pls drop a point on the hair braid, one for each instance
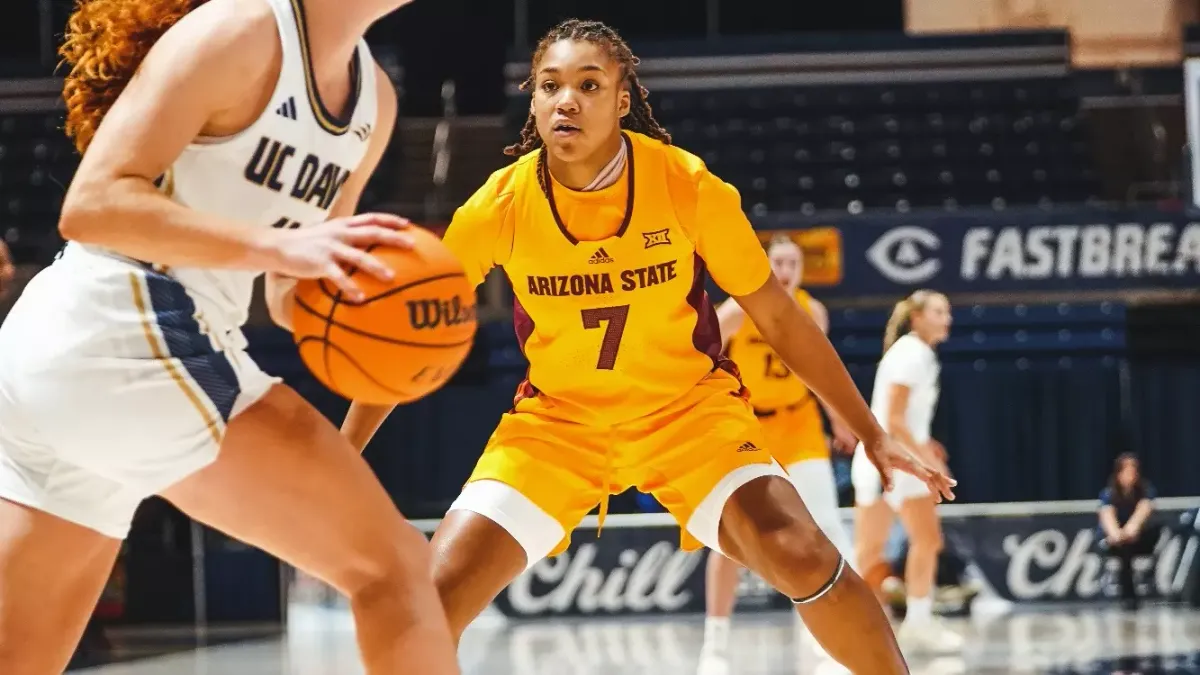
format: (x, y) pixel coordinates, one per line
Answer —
(529, 135)
(640, 118)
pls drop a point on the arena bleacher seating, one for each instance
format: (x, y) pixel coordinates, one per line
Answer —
(1033, 332)
(940, 144)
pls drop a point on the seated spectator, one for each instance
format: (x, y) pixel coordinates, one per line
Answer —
(1125, 506)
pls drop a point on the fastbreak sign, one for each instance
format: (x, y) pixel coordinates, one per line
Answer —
(1038, 252)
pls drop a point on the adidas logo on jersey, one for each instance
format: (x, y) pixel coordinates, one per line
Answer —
(363, 132)
(747, 447)
(600, 257)
(287, 108)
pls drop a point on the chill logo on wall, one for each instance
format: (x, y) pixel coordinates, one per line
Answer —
(628, 571)
(1057, 557)
(1050, 565)
(597, 578)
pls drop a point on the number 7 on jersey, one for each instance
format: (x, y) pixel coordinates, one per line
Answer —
(611, 342)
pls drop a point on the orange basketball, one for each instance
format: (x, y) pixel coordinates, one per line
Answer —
(403, 340)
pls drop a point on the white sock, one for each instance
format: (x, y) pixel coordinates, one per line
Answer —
(919, 609)
(716, 632)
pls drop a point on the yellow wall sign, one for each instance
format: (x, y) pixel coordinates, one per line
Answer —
(822, 247)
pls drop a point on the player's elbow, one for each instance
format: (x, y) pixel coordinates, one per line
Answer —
(89, 209)
(80, 214)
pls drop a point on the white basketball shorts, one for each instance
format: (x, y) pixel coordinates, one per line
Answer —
(113, 387)
(814, 480)
(868, 486)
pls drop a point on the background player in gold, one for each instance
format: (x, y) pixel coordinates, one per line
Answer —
(794, 432)
(606, 236)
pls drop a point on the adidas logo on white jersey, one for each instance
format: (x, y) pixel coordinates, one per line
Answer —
(600, 257)
(287, 108)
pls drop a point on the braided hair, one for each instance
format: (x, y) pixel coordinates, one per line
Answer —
(640, 117)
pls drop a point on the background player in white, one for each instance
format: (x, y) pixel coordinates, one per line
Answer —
(791, 419)
(904, 399)
(122, 366)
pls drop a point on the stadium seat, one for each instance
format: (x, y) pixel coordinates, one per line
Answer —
(1043, 331)
(896, 147)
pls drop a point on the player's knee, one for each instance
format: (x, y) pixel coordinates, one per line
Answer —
(385, 567)
(797, 557)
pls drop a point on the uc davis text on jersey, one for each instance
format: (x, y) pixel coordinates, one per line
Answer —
(315, 178)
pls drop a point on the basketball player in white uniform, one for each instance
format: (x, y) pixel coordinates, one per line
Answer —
(241, 146)
(903, 400)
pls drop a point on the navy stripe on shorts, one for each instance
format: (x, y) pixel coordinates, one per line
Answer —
(175, 313)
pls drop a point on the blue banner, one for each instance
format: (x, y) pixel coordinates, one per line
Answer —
(1056, 557)
(983, 252)
(1042, 557)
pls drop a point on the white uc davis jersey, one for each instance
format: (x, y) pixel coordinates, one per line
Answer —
(148, 364)
(912, 363)
(285, 170)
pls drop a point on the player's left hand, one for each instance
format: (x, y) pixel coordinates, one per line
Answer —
(938, 450)
(888, 456)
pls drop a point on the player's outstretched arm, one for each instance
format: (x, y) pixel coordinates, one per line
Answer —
(729, 246)
(843, 438)
(727, 243)
(804, 348)
(362, 421)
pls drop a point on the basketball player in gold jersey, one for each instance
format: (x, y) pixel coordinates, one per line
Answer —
(608, 233)
(791, 421)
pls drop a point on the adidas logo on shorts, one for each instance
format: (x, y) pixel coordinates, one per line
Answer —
(600, 257)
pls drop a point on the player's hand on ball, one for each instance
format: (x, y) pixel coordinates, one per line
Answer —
(887, 455)
(334, 248)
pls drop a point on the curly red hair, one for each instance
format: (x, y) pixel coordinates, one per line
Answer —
(104, 44)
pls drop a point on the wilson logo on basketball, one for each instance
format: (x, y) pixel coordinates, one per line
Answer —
(426, 314)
